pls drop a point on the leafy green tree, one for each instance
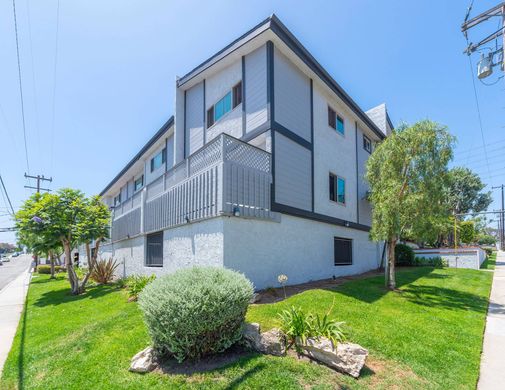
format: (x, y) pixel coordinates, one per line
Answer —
(69, 219)
(467, 232)
(407, 176)
(464, 189)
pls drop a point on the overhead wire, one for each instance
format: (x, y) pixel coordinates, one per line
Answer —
(6, 195)
(54, 86)
(20, 85)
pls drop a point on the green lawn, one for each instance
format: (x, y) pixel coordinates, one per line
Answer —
(427, 336)
(490, 262)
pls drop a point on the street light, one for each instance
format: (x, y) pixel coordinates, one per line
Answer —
(485, 66)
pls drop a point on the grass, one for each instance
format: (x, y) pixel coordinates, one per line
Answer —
(428, 335)
(490, 261)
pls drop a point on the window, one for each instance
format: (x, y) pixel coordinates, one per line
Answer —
(237, 94)
(342, 251)
(332, 118)
(335, 121)
(154, 250)
(337, 189)
(139, 183)
(117, 199)
(367, 144)
(340, 124)
(158, 160)
(229, 101)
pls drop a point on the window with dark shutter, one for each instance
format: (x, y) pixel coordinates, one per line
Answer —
(342, 251)
(337, 188)
(164, 156)
(367, 144)
(332, 118)
(210, 117)
(332, 188)
(154, 250)
(237, 94)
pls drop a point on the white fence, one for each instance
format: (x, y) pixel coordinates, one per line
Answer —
(226, 176)
(467, 257)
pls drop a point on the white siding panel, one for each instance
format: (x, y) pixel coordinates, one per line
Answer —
(170, 152)
(230, 124)
(293, 177)
(194, 118)
(256, 88)
(292, 96)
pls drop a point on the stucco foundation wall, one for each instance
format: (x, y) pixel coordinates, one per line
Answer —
(300, 248)
(199, 243)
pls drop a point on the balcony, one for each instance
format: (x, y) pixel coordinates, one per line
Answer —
(225, 177)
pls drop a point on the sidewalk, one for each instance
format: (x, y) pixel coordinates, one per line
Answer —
(12, 299)
(492, 364)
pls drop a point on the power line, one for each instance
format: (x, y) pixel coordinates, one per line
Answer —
(478, 114)
(7, 195)
(54, 84)
(20, 84)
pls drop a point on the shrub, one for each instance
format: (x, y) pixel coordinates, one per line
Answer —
(135, 284)
(46, 269)
(103, 271)
(486, 239)
(436, 262)
(489, 251)
(196, 311)
(404, 255)
(298, 326)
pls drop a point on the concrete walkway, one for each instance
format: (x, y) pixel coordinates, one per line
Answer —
(492, 364)
(12, 299)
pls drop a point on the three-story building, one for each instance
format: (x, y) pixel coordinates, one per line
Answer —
(260, 170)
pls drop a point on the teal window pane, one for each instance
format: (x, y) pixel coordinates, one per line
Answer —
(340, 125)
(222, 107)
(341, 190)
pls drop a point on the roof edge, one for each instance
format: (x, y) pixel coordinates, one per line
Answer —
(168, 124)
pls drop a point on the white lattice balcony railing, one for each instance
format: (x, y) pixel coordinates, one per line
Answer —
(225, 177)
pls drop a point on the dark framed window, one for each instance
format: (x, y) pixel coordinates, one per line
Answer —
(154, 250)
(337, 188)
(158, 160)
(117, 199)
(332, 118)
(237, 94)
(224, 105)
(139, 183)
(342, 251)
(367, 144)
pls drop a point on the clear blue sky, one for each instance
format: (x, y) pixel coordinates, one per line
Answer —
(117, 62)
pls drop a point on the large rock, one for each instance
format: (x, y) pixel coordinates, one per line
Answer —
(272, 342)
(144, 361)
(347, 357)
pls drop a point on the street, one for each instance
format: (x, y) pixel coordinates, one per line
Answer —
(12, 269)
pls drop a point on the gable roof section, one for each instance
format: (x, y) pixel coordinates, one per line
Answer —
(168, 124)
(275, 25)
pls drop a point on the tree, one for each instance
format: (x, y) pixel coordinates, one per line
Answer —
(66, 218)
(407, 175)
(467, 232)
(464, 191)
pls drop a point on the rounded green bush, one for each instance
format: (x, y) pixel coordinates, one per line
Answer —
(196, 311)
(46, 269)
(404, 255)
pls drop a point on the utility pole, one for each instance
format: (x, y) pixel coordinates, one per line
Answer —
(486, 64)
(502, 217)
(39, 178)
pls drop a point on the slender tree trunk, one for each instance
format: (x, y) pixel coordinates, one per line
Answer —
(390, 275)
(72, 276)
(51, 260)
(91, 261)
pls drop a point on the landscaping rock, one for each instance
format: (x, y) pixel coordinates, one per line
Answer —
(272, 342)
(347, 357)
(144, 361)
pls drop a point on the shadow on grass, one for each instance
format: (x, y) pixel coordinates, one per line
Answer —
(21, 365)
(373, 289)
(63, 296)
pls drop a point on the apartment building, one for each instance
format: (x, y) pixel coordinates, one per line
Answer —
(260, 170)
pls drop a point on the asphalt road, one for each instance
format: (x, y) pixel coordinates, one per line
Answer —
(12, 269)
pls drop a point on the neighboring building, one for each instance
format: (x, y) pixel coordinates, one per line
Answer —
(261, 171)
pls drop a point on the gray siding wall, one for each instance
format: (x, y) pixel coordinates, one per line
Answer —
(293, 176)
(152, 176)
(170, 152)
(365, 209)
(124, 193)
(194, 118)
(216, 87)
(256, 88)
(292, 96)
